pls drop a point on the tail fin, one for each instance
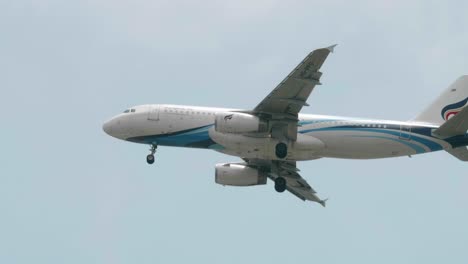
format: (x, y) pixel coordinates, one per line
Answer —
(448, 104)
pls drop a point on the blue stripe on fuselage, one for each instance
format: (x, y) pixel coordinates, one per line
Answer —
(416, 148)
(199, 137)
(194, 137)
(433, 146)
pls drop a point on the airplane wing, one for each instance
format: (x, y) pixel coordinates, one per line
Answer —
(295, 184)
(281, 108)
(291, 94)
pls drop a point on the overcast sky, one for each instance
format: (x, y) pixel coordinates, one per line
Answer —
(71, 194)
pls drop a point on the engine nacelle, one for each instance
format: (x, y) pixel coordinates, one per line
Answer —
(237, 123)
(238, 175)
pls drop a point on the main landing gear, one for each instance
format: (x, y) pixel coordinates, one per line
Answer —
(280, 184)
(281, 150)
(150, 157)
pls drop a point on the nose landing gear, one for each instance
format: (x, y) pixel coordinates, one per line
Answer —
(150, 157)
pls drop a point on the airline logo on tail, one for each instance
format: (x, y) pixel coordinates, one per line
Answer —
(452, 109)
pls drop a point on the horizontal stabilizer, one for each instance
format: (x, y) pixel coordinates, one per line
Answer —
(457, 125)
(460, 153)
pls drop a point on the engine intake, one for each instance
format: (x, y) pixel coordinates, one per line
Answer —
(239, 123)
(238, 175)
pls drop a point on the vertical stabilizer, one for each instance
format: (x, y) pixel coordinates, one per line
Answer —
(448, 104)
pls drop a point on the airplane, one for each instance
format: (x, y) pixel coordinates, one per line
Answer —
(273, 136)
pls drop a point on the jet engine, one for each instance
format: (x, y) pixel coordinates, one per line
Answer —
(238, 123)
(235, 174)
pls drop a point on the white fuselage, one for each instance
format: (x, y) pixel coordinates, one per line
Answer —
(318, 136)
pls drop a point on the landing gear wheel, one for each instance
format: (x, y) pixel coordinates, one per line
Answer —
(150, 159)
(280, 184)
(281, 150)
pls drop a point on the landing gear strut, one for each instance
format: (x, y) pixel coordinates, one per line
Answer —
(280, 184)
(150, 157)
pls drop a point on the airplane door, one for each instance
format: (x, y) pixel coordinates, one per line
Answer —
(405, 132)
(153, 113)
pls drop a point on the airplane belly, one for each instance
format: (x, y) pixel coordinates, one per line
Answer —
(304, 148)
(366, 145)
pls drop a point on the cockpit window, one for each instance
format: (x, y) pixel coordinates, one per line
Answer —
(132, 110)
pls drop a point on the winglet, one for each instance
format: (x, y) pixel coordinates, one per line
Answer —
(323, 202)
(331, 48)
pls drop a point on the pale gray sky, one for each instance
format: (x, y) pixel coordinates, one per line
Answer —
(71, 194)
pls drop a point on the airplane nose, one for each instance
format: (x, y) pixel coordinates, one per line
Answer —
(107, 127)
